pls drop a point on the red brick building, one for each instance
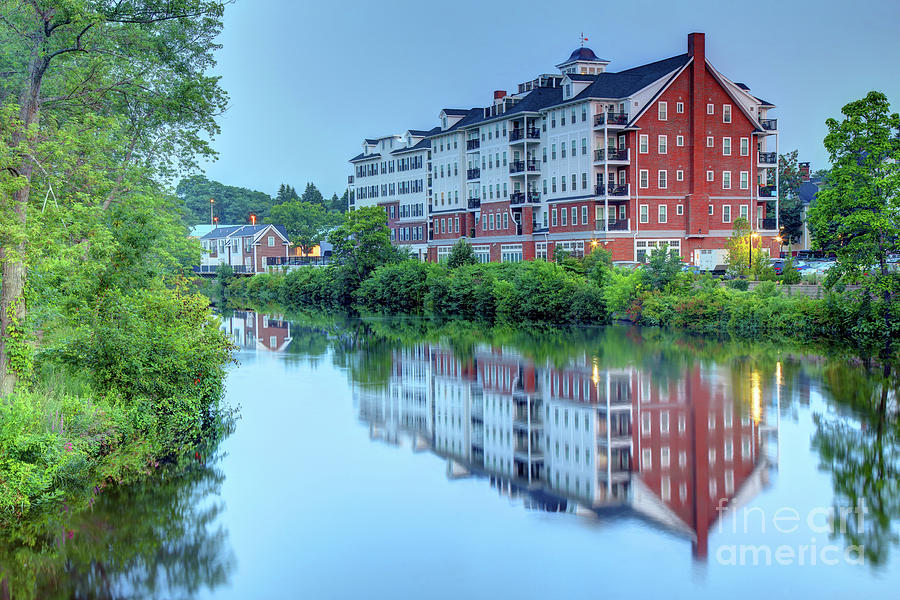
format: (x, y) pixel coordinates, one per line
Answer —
(667, 154)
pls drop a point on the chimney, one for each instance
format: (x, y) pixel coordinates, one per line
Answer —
(804, 171)
(499, 94)
(697, 46)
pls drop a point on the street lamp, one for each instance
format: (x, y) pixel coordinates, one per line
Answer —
(212, 201)
(750, 257)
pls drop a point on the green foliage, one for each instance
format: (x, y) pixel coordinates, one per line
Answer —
(789, 273)
(233, 205)
(739, 284)
(662, 268)
(362, 243)
(307, 223)
(461, 254)
(790, 217)
(396, 289)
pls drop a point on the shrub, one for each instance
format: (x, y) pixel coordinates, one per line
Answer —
(396, 289)
(461, 254)
(789, 274)
(738, 284)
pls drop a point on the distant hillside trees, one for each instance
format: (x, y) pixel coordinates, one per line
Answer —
(234, 205)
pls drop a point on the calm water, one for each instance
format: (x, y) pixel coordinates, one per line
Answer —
(390, 460)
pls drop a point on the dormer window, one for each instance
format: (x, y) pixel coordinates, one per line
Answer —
(568, 90)
(444, 123)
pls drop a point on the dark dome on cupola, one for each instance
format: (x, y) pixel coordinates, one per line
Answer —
(583, 54)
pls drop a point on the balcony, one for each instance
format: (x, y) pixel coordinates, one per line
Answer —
(611, 155)
(611, 119)
(474, 202)
(534, 197)
(521, 135)
(523, 166)
(769, 124)
(612, 225)
(767, 191)
(612, 189)
(766, 224)
(473, 173)
(768, 158)
(473, 144)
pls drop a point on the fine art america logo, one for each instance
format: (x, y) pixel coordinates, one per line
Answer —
(822, 525)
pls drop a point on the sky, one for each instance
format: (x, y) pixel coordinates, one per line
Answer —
(309, 80)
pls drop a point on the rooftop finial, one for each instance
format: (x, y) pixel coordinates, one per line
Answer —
(583, 39)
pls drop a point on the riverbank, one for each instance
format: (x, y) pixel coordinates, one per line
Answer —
(585, 291)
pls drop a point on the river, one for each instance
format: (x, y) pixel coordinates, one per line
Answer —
(399, 459)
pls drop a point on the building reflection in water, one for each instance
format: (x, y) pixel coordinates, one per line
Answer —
(581, 438)
(253, 331)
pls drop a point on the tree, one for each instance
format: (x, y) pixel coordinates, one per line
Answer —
(286, 193)
(744, 255)
(307, 224)
(233, 205)
(461, 254)
(134, 68)
(790, 215)
(662, 268)
(312, 195)
(362, 243)
(856, 214)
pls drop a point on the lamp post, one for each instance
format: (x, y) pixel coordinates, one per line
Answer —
(212, 201)
(750, 257)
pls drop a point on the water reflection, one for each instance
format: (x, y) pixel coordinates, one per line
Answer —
(678, 450)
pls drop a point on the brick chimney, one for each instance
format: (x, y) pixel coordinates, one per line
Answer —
(697, 218)
(804, 171)
(499, 94)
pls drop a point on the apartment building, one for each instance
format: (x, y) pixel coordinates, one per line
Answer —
(663, 155)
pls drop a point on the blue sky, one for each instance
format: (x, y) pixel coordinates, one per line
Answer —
(308, 80)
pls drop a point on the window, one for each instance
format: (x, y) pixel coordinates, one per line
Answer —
(562, 180)
(644, 144)
(744, 211)
(584, 181)
(574, 215)
(745, 147)
(646, 462)
(645, 214)
(726, 214)
(562, 149)
(505, 220)
(584, 215)
(664, 426)
(726, 180)
(564, 215)
(726, 146)
(711, 209)
(710, 141)
(663, 213)
(679, 209)
(726, 113)
(553, 217)
(679, 140)
(710, 109)
(271, 241)
(745, 180)
(644, 178)
(710, 176)
(664, 458)
(574, 182)
(553, 151)
(663, 111)
(679, 175)
(553, 184)
(583, 146)
(663, 144)
(662, 179)
(679, 107)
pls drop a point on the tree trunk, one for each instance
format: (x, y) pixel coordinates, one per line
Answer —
(12, 259)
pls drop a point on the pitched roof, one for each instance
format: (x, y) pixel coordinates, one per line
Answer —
(625, 83)
(421, 145)
(456, 112)
(242, 231)
(364, 156)
(418, 132)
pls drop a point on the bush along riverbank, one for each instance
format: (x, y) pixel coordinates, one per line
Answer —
(585, 290)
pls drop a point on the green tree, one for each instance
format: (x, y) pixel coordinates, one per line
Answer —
(307, 224)
(312, 195)
(662, 268)
(286, 193)
(856, 215)
(790, 207)
(133, 71)
(233, 205)
(461, 254)
(362, 243)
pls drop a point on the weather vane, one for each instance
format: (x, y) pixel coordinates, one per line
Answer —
(583, 39)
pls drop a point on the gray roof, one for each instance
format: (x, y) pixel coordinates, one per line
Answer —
(421, 145)
(364, 156)
(807, 192)
(625, 83)
(241, 231)
(455, 112)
